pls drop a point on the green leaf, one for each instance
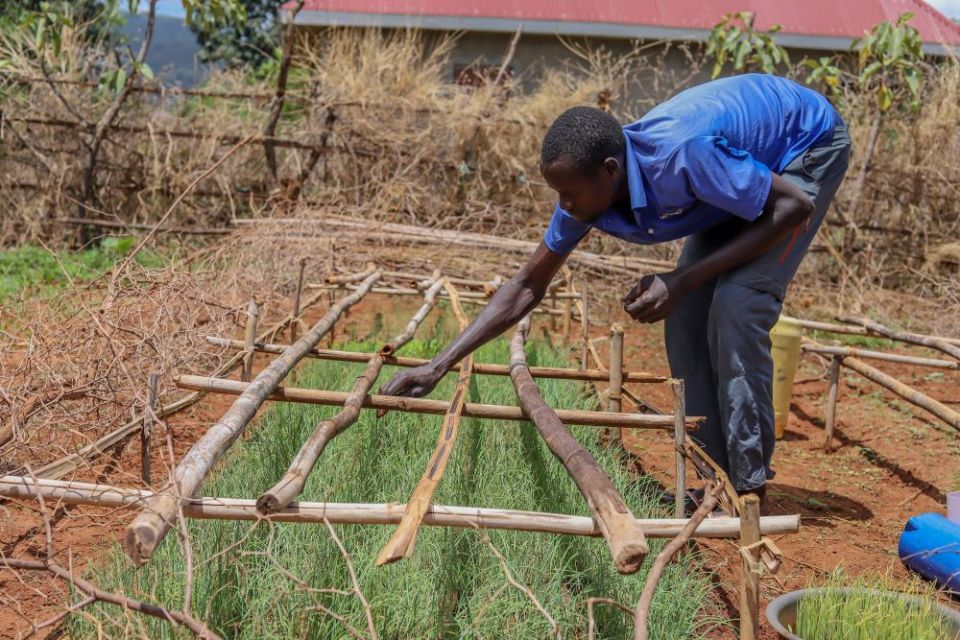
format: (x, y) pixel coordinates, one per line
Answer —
(870, 71)
(884, 97)
(119, 80)
(146, 71)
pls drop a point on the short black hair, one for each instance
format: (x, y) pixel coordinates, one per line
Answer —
(583, 137)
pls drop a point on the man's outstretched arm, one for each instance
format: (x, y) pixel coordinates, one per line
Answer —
(509, 305)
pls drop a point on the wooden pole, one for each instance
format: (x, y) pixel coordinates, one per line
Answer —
(910, 338)
(830, 350)
(680, 445)
(291, 484)
(615, 388)
(468, 297)
(159, 514)
(295, 323)
(584, 327)
(434, 407)
(146, 431)
(829, 327)
(831, 411)
(404, 538)
(83, 493)
(624, 537)
(249, 338)
(560, 373)
(750, 568)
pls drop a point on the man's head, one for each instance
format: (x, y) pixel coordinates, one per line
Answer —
(582, 159)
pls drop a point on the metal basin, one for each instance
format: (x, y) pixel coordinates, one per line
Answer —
(782, 612)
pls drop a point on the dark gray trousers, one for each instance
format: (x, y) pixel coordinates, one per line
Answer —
(718, 339)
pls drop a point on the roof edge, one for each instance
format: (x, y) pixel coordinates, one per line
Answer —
(562, 28)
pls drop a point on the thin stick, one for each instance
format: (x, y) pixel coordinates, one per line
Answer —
(750, 568)
(146, 431)
(434, 407)
(584, 326)
(615, 388)
(236, 509)
(816, 325)
(624, 537)
(831, 411)
(149, 528)
(291, 484)
(404, 539)
(831, 350)
(679, 443)
(250, 336)
(561, 373)
(910, 338)
(295, 324)
(663, 559)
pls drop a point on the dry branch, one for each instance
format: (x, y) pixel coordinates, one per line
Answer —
(858, 330)
(292, 483)
(206, 508)
(404, 539)
(144, 533)
(911, 338)
(832, 350)
(435, 407)
(624, 537)
(711, 494)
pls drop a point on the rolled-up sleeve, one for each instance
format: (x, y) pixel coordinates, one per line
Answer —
(723, 176)
(564, 232)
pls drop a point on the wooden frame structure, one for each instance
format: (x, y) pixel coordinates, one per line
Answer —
(611, 516)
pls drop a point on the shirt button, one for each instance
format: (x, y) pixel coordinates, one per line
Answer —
(650, 231)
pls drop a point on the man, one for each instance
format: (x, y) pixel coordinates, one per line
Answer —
(744, 168)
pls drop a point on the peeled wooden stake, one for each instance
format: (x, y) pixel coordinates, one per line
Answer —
(620, 529)
(160, 512)
(402, 541)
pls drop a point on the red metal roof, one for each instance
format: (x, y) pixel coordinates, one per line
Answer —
(831, 19)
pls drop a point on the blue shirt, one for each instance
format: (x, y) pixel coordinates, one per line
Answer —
(703, 156)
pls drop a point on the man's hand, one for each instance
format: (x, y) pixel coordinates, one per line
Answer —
(413, 383)
(654, 297)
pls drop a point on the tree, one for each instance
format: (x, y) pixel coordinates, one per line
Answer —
(735, 40)
(249, 43)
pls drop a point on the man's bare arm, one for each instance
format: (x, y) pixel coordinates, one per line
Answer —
(520, 295)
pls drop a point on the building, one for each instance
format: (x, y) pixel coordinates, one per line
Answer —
(810, 28)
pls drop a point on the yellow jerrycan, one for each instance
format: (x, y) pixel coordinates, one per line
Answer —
(785, 340)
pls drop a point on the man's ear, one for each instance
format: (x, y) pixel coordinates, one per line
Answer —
(612, 167)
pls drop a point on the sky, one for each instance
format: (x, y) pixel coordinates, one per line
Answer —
(950, 8)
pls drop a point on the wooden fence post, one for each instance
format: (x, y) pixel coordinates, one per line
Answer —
(249, 340)
(680, 445)
(831, 417)
(750, 567)
(614, 391)
(295, 322)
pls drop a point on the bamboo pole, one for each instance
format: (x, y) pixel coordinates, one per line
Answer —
(679, 443)
(831, 412)
(404, 538)
(84, 493)
(433, 407)
(750, 568)
(295, 323)
(624, 537)
(146, 432)
(856, 330)
(291, 484)
(561, 373)
(158, 516)
(831, 350)
(615, 388)
(249, 338)
(584, 327)
(911, 338)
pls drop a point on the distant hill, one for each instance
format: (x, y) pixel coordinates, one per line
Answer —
(173, 51)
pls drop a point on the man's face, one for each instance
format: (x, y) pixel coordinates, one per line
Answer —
(584, 194)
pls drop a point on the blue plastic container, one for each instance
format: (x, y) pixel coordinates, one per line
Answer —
(930, 545)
